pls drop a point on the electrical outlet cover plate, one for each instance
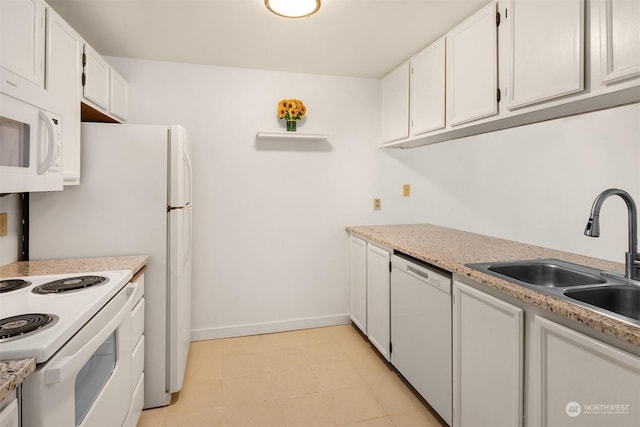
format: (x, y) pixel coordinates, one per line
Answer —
(3, 224)
(377, 204)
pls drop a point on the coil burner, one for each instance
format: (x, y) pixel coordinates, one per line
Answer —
(23, 324)
(8, 285)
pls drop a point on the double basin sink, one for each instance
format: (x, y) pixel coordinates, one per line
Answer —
(603, 292)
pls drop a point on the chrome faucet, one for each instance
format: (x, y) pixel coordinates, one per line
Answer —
(632, 258)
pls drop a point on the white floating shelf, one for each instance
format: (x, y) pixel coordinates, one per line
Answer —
(301, 136)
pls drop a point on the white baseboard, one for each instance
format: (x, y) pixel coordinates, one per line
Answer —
(269, 327)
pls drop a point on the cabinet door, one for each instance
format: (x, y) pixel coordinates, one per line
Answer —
(580, 381)
(472, 68)
(428, 89)
(358, 282)
(96, 78)
(378, 302)
(395, 104)
(488, 360)
(547, 50)
(22, 38)
(620, 43)
(64, 71)
(119, 99)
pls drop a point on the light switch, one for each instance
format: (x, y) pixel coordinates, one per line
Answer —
(406, 190)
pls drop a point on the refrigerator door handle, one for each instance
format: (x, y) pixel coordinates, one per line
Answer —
(173, 208)
(189, 232)
(189, 174)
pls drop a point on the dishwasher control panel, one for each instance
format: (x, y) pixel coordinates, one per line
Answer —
(422, 271)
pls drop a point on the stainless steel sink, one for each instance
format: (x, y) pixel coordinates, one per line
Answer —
(624, 300)
(546, 273)
(602, 292)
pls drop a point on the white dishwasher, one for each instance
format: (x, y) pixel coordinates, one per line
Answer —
(421, 330)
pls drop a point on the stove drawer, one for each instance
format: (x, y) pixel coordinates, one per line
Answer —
(137, 321)
(136, 404)
(137, 360)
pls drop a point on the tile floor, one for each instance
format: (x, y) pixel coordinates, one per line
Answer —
(315, 377)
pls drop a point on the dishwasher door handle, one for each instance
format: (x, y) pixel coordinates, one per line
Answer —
(418, 271)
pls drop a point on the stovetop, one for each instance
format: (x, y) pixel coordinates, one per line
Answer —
(70, 310)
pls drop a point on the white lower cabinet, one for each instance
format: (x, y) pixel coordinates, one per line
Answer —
(580, 381)
(488, 358)
(358, 282)
(9, 409)
(369, 305)
(378, 302)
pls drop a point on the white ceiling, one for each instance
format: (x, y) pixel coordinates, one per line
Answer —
(362, 38)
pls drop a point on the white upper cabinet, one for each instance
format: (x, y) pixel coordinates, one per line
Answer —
(428, 89)
(472, 68)
(395, 104)
(22, 50)
(547, 50)
(620, 39)
(119, 96)
(96, 78)
(22, 33)
(64, 69)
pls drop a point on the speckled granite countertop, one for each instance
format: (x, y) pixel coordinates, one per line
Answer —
(73, 265)
(13, 372)
(451, 249)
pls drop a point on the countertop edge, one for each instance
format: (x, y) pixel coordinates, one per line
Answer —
(13, 373)
(73, 265)
(384, 235)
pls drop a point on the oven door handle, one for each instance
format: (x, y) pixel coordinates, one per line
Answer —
(73, 363)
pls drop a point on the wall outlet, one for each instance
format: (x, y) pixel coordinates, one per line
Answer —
(406, 190)
(3, 224)
(377, 204)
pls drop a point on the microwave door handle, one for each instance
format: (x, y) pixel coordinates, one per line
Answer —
(48, 161)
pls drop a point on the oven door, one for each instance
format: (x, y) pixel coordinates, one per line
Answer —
(88, 381)
(29, 148)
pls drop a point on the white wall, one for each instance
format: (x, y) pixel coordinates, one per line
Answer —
(10, 204)
(270, 248)
(269, 218)
(533, 184)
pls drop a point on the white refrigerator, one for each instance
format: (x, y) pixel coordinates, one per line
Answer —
(134, 198)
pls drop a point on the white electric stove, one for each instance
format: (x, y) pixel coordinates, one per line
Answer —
(80, 340)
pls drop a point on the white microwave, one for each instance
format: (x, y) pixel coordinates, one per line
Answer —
(29, 148)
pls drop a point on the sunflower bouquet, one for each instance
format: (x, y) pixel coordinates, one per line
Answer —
(291, 110)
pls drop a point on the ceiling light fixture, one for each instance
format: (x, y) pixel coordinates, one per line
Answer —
(293, 8)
